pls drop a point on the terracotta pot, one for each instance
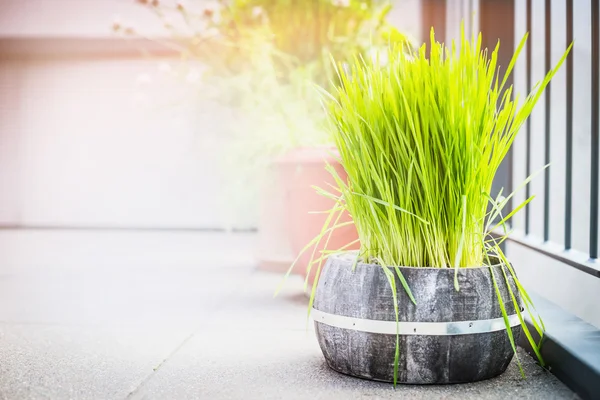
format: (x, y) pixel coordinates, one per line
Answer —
(302, 169)
(274, 249)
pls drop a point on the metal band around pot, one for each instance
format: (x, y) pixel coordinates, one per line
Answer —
(415, 328)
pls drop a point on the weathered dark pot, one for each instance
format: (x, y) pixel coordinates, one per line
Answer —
(447, 337)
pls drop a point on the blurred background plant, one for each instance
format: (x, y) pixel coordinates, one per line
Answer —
(263, 59)
(282, 37)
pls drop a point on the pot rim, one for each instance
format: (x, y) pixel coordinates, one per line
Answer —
(349, 252)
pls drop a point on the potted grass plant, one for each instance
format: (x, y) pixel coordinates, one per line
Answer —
(430, 297)
(264, 58)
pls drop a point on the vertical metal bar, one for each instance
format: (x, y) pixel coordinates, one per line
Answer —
(547, 66)
(433, 14)
(595, 126)
(496, 20)
(528, 123)
(509, 171)
(469, 19)
(510, 154)
(569, 118)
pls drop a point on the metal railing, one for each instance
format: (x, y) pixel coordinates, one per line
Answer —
(496, 21)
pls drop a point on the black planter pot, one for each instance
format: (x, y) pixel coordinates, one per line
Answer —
(447, 337)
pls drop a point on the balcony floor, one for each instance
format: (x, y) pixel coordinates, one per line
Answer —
(155, 315)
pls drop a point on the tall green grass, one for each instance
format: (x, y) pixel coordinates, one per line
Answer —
(421, 139)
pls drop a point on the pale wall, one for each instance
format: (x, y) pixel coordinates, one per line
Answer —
(88, 146)
(101, 138)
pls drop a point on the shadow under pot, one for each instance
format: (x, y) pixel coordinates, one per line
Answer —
(449, 336)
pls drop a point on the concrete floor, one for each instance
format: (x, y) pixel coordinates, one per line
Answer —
(148, 315)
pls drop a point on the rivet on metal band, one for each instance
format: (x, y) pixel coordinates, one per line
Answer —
(415, 328)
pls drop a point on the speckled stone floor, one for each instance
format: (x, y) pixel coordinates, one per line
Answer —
(150, 315)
